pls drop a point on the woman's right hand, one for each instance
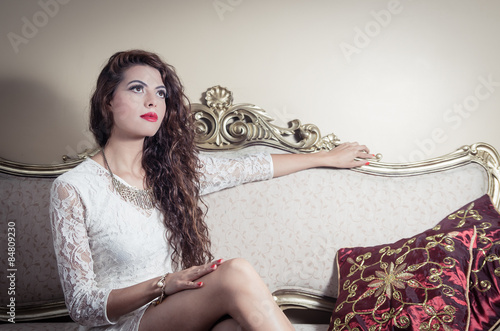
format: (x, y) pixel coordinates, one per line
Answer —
(187, 279)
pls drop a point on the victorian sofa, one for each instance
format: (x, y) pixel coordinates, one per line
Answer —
(289, 228)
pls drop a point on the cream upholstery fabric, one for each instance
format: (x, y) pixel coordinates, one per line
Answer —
(26, 202)
(290, 228)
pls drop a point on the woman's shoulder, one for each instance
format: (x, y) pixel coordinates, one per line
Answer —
(86, 172)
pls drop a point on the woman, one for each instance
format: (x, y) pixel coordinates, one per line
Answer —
(130, 239)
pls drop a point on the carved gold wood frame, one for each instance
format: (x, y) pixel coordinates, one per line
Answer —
(220, 125)
(302, 299)
(38, 312)
(43, 170)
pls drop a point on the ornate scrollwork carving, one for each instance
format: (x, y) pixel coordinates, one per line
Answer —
(487, 156)
(222, 125)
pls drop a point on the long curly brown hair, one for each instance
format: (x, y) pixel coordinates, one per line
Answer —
(170, 157)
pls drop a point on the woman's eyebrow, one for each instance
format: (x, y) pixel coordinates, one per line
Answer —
(137, 81)
(141, 82)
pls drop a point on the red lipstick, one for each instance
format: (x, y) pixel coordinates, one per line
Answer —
(151, 116)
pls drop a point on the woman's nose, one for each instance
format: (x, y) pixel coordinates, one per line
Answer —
(151, 100)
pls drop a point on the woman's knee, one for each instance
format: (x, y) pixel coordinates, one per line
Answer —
(237, 267)
(236, 273)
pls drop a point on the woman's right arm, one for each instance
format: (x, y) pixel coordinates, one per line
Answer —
(86, 302)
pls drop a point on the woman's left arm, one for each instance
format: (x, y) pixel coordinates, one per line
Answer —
(219, 172)
(346, 155)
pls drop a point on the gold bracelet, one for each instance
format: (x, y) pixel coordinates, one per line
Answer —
(161, 284)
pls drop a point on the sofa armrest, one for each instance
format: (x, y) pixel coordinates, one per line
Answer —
(299, 298)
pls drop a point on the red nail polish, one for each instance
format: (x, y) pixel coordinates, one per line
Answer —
(214, 266)
(199, 284)
(367, 163)
(219, 261)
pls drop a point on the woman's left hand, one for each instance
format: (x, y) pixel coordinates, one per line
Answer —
(346, 155)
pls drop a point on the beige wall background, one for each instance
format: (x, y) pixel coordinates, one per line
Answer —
(411, 79)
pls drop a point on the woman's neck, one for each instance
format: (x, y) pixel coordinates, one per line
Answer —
(125, 161)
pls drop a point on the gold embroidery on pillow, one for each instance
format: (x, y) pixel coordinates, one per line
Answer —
(390, 280)
(394, 277)
(464, 214)
(485, 244)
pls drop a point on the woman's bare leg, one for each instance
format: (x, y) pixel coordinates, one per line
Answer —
(234, 289)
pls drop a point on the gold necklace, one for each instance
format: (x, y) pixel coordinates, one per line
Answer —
(141, 198)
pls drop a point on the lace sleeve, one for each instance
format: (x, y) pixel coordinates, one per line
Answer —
(221, 172)
(86, 302)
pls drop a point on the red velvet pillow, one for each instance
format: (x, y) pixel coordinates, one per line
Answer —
(482, 292)
(414, 284)
(484, 287)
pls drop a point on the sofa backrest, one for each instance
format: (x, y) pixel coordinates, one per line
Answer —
(290, 228)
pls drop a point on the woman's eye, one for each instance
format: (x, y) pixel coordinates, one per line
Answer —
(137, 88)
(162, 94)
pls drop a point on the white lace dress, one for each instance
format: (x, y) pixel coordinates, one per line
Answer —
(103, 242)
